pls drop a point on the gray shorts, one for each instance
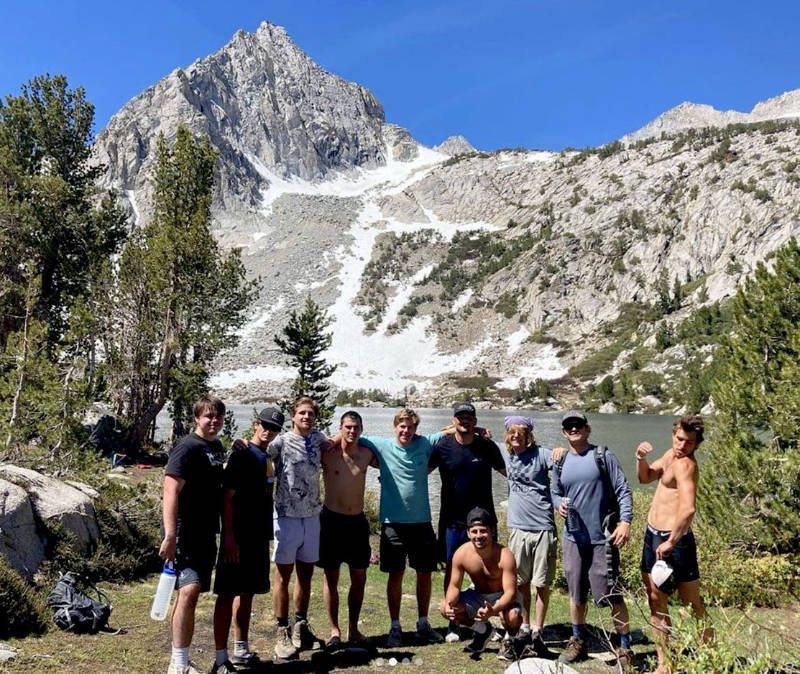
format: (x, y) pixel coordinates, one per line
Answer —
(595, 566)
(535, 554)
(473, 600)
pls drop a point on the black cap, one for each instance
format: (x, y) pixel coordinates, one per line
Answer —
(464, 408)
(481, 516)
(574, 414)
(273, 417)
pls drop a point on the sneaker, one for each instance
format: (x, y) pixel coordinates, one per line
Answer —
(395, 638)
(537, 649)
(478, 642)
(452, 636)
(303, 638)
(575, 651)
(188, 669)
(427, 635)
(226, 667)
(497, 634)
(248, 659)
(507, 651)
(626, 660)
(284, 648)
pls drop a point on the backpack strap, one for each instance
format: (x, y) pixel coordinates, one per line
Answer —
(611, 495)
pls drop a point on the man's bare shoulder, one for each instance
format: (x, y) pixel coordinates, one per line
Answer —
(684, 467)
(506, 556)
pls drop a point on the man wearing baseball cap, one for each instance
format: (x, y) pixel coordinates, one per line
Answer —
(493, 572)
(591, 492)
(243, 562)
(465, 460)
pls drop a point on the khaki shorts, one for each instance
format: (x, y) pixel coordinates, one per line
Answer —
(535, 554)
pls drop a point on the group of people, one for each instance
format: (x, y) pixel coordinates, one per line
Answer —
(583, 482)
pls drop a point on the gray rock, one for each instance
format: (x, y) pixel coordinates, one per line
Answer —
(56, 502)
(19, 539)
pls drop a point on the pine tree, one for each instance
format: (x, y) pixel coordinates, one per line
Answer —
(753, 469)
(177, 299)
(303, 342)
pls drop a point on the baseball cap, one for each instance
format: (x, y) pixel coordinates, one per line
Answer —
(481, 516)
(574, 414)
(463, 408)
(273, 417)
(662, 576)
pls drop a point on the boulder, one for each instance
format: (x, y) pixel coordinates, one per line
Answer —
(20, 541)
(55, 502)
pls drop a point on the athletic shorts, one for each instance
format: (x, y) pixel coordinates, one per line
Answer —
(473, 600)
(194, 561)
(343, 539)
(595, 567)
(682, 559)
(296, 540)
(413, 541)
(250, 575)
(535, 554)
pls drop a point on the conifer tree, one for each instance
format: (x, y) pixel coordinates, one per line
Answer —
(303, 342)
(750, 489)
(177, 298)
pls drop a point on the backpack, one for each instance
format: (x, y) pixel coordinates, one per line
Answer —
(74, 611)
(611, 516)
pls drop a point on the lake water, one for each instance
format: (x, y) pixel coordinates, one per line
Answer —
(620, 432)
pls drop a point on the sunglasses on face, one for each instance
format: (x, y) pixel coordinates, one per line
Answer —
(268, 427)
(574, 426)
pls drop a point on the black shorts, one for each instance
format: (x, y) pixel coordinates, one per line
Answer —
(197, 555)
(343, 539)
(250, 575)
(415, 541)
(682, 559)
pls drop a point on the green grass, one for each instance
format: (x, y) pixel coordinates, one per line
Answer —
(145, 647)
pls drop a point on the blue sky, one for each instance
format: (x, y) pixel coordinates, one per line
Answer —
(504, 73)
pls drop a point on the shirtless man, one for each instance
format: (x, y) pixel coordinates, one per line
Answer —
(493, 573)
(344, 535)
(669, 535)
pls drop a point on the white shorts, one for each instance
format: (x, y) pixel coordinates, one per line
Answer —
(296, 540)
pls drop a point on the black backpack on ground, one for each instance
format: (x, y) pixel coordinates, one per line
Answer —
(74, 611)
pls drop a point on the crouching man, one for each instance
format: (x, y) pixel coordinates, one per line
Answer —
(493, 572)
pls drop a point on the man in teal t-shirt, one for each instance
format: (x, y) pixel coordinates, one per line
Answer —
(405, 514)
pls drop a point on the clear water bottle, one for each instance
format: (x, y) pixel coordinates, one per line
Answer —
(166, 585)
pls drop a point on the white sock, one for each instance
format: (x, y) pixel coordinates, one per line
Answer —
(180, 656)
(240, 647)
(222, 656)
(395, 623)
(525, 627)
(479, 627)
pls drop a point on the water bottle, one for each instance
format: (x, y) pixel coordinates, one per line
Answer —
(166, 585)
(572, 516)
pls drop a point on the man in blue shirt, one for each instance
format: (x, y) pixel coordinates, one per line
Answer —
(405, 515)
(591, 543)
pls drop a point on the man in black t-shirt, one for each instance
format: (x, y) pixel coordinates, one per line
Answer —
(243, 561)
(465, 461)
(191, 520)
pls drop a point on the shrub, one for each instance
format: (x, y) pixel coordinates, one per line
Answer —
(22, 612)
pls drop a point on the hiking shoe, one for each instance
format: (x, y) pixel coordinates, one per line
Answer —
(575, 651)
(497, 634)
(626, 659)
(226, 667)
(507, 651)
(248, 659)
(425, 634)
(452, 636)
(302, 636)
(395, 638)
(284, 648)
(478, 642)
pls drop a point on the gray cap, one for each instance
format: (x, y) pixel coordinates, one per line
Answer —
(273, 417)
(463, 408)
(574, 414)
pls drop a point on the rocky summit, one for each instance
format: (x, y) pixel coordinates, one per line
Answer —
(449, 267)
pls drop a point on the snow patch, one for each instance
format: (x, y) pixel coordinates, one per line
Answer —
(231, 378)
(461, 301)
(515, 340)
(131, 194)
(545, 365)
